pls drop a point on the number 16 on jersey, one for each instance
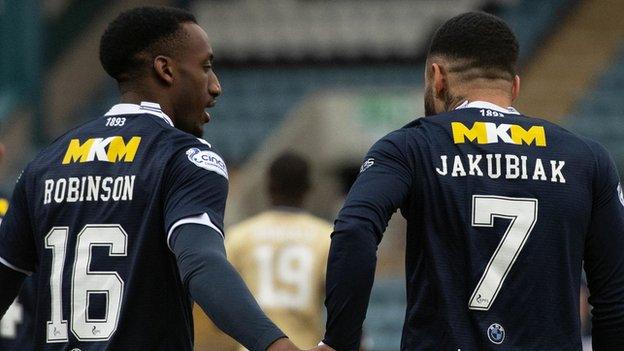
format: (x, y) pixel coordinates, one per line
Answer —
(85, 283)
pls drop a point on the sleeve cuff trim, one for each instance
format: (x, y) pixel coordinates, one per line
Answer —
(203, 219)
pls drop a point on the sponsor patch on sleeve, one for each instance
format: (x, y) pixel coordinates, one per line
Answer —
(367, 164)
(207, 160)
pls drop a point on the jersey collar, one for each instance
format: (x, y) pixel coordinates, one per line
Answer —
(487, 105)
(151, 108)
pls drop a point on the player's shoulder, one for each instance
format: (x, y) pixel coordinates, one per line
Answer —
(589, 145)
(404, 143)
(63, 138)
(185, 147)
(561, 136)
(413, 133)
(43, 157)
(597, 153)
(397, 139)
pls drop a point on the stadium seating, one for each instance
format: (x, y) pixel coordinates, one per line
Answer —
(532, 20)
(19, 64)
(257, 97)
(386, 312)
(255, 100)
(599, 114)
(268, 29)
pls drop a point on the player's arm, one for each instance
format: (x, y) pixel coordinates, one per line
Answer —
(379, 190)
(17, 247)
(604, 257)
(197, 185)
(216, 286)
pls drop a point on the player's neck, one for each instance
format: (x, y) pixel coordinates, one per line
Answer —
(134, 97)
(494, 96)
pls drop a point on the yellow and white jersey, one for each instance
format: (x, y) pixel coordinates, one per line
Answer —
(282, 256)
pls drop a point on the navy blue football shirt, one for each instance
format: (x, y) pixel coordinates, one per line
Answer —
(502, 210)
(91, 214)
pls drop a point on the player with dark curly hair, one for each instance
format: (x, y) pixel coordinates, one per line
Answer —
(122, 217)
(502, 210)
(153, 54)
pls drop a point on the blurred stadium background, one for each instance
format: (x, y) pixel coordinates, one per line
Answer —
(322, 77)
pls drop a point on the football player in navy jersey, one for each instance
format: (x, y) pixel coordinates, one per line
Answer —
(122, 217)
(503, 213)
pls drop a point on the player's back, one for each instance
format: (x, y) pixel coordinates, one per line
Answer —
(497, 224)
(96, 200)
(282, 255)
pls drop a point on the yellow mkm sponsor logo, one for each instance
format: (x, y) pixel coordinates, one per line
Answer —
(488, 132)
(111, 149)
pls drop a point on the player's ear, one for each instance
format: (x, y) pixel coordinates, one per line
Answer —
(439, 80)
(515, 88)
(163, 68)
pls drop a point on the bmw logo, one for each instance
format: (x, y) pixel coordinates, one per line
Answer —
(496, 333)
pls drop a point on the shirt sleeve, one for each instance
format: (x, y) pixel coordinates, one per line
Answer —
(17, 245)
(219, 290)
(604, 256)
(196, 182)
(382, 186)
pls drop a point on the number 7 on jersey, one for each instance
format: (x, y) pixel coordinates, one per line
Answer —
(523, 215)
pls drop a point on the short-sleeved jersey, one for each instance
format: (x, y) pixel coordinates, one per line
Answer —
(282, 254)
(502, 209)
(91, 214)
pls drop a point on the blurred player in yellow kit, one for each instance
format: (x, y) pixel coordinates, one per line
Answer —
(282, 253)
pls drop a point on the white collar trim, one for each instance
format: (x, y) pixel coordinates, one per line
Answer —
(487, 105)
(151, 108)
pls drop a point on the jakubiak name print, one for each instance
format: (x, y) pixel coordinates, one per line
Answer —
(507, 166)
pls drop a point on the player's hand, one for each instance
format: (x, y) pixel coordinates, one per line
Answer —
(283, 344)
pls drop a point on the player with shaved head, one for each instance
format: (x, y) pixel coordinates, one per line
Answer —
(503, 213)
